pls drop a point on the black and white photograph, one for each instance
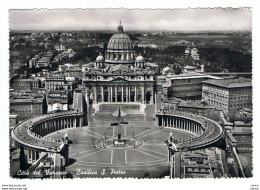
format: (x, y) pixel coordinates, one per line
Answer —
(130, 93)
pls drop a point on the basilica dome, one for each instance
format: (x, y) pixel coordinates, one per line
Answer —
(119, 48)
(120, 41)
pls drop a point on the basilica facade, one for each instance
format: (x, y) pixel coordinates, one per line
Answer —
(119, 75)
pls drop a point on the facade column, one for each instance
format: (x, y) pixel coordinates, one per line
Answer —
(81, 122)
(115, 93)
(163, 125)
(108, 96)
(135, 93)
(126, 94)
(95, 94)
(151, 98)
(143, 94)
(75, 122)
(102, 93)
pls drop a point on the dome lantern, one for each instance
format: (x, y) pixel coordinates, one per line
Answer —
(120, 28)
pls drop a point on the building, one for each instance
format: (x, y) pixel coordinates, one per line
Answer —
(54, 82)
(194, 54)
(228, 94)
(119, 76)
(167, 70)
(26, 108)
(13, 121)
(57, 100)
(15, 65)
(186, 86)
(43, 61)
(60, 47)
(74, 72)
(32, 62)
(189, 69)
(27, 84)
(120, 48)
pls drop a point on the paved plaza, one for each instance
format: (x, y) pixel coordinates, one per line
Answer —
(150, 155)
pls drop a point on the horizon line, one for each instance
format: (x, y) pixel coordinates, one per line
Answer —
(189, 31)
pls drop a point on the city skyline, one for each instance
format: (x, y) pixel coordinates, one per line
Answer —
(190, 20)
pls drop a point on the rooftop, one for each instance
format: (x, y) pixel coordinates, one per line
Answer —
(192, 76)
(231, 83)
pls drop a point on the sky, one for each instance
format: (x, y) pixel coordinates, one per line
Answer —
(218, 19)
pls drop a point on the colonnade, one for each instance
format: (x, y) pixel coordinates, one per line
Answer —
(180, 123)
(45, 127)
(29, 135)
(31, 154)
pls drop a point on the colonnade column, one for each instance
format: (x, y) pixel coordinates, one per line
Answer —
(29, 154)
(122, 99)
(129, 93)
(35, 155)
